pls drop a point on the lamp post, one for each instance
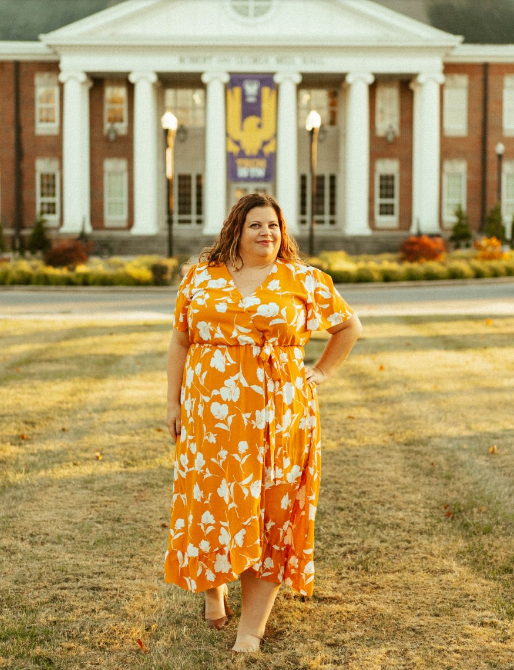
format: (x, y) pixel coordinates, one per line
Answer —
(312, 125)
(500, 150)
(169, 123)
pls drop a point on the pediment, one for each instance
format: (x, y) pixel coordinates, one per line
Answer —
(298, 23)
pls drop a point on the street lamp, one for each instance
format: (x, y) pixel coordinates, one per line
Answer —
(169, 123)
(500, 150)
(312, 125)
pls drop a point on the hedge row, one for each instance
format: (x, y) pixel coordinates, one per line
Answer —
(147, 271)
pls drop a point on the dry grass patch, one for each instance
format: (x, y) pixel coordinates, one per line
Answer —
(414, 555)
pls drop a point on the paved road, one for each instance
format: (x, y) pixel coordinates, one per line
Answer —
(472, 298)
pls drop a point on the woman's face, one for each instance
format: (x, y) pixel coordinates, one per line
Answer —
(261, 236)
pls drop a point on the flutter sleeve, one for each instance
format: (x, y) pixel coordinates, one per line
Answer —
(183, 300)
(325, 306)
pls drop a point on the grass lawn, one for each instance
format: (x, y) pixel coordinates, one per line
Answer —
(415, 551)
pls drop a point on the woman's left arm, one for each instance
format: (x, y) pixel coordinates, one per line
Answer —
(342, 338)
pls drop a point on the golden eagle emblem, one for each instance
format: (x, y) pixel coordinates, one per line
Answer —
(254, 133)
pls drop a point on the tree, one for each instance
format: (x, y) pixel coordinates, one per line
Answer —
(39, 239)
(494, 224)
(461, 232)
(484, 22)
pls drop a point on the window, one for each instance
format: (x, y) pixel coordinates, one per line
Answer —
(47, 103)
(454, 189)
(508, 105)
(508, 194)
(387, 186)
(387, 108)
(324, 101)
(188, 105)
(115, 193)
(48, 189)
(189, 199)
(325, 202)
(455, 105)
(251, 9)
(115, 107)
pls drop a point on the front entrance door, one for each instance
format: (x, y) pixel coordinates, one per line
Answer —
(240, 188)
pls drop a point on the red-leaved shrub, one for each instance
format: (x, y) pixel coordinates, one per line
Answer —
(67, 253)
(422, 248)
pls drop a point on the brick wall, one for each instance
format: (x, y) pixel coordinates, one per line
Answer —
(102, 148)
(7, 143)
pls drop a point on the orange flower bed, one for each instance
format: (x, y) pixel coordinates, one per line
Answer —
(422, 248)
(490, 249)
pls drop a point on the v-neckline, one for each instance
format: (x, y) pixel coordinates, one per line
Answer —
(261, 285)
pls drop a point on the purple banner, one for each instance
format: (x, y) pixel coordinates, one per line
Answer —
(251, 127)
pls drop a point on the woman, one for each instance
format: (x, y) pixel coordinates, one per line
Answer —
(242, 409)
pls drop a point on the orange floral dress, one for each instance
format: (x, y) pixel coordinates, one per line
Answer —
(247, 469)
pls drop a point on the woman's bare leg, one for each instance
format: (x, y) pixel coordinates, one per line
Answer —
(214, 605)
(258, 597)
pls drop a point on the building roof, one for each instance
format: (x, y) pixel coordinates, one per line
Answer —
(484, 22)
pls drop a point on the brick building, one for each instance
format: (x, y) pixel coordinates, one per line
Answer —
(411, 120)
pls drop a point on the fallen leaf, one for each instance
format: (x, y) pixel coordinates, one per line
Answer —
(381, 368)
(481, 509)
(488, 322)
(164, 525)
(18, 369)
(432, 463)
(445, 506)
(24, 437)
(160, 430)
(142, 645)
(64, 429)
(448, 513)
(98, 456)
(493, 449)
(350, 416)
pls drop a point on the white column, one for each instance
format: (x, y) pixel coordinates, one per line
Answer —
(75, 168)
(357, 153)
(426, 153)
(341, 174)
(287, 147)
(146, 174)
(215, 193)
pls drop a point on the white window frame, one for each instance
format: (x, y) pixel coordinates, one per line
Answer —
(317, 99)
(45, 80)
(120, 127)
(452, 167)
(386, 167)
(191, 112)
(387, 108)
(507, 203)
(115, 166)
(326, 220)
(194, 219)
(455, 103)
(508, 105)
(48, 166)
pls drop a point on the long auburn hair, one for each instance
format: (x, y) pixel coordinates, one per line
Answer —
(226, 245)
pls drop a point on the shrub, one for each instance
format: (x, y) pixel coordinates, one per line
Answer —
(460, 270)
(392, 271)
(344, 275)
(39, 239)
(481, 268)
(490, 249)
(414, 271)
(368, 273)
(461, 232)
(67, 253)
(422, 248)
(494, 224)
(435, 270)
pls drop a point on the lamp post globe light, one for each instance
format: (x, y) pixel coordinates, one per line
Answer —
(500, 150)
(169, 123)
(312, 125)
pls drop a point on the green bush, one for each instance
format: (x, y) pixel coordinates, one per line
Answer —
(368, 273)
(498, 268)
(481, 268)
(460, 270)
(344, 276)
(494, 224)
(435, 270)
(461, 232)
(414, 271)
(39, 239)
(392, 271)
